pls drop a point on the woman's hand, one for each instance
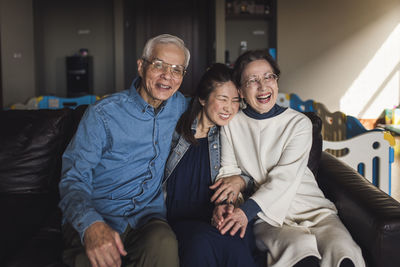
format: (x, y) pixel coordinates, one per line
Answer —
(219, 214)
(233, 222)
(228, 189)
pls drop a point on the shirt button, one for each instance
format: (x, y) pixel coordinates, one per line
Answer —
(152, 164)
(215, 146)
(215, 167)
(143, 110)
(156, 142)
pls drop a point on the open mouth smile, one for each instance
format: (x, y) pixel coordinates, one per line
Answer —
(163, 86)
(265, 98)
(224, 116)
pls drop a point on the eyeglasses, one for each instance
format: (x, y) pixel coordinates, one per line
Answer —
(255, 81)
(177, 71)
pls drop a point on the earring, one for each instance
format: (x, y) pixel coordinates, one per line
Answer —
(202, 102)
(242, 104)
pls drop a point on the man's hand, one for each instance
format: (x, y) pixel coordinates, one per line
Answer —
(227, 188)
(233, 222)
(103, 245)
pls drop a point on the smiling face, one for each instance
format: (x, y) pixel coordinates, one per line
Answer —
(158, 84)
(260, 95)
(221, 105)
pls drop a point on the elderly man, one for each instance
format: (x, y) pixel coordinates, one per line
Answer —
(111, 195)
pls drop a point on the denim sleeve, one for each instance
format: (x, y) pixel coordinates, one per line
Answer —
(78, 161)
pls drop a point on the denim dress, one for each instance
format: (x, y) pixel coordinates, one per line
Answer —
(190, 170)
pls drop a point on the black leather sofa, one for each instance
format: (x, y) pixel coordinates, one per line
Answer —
(31, 144)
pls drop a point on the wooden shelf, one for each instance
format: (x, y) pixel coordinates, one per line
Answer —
(247, 16)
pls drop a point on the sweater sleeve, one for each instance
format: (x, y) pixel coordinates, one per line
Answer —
(229, 164)
(250, 208)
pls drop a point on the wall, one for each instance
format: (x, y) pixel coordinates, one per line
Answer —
(340, 53)
(345, 54)
(119, 45)
(17, 51)
(62, 28)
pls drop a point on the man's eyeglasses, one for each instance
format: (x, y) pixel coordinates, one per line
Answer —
(255, 81)
(177, 71)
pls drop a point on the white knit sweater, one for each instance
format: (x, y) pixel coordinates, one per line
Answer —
(275, 153)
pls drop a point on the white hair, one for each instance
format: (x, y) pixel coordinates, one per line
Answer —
(165, 39)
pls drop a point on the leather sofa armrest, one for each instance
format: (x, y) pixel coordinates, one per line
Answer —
(371, 216)
(44, 248)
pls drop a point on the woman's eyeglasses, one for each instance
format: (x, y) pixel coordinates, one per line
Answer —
(255, 81)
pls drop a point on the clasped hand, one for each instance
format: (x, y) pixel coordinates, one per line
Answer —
(225, 216)
(227, 189)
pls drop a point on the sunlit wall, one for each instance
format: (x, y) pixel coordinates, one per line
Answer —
(345, 54)
(377, 86)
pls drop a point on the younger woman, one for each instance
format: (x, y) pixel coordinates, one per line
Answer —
(191, 169)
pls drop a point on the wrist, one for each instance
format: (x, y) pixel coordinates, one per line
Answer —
(242, 183)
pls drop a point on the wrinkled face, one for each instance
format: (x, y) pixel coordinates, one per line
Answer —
(158, 84)
(259, 86)
(222, 104)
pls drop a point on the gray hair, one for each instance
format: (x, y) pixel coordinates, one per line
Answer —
(165, 39)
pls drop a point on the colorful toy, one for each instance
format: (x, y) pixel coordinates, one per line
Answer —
(370, 153)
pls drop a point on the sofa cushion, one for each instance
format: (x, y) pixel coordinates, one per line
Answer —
(32, 142)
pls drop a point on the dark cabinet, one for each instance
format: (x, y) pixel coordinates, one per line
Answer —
(79, 75)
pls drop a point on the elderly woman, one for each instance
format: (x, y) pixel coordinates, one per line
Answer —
(295, 223)
(191, 170)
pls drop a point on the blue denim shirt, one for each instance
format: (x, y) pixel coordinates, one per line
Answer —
(113, 167)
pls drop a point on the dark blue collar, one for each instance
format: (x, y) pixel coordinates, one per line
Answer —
(275, 111)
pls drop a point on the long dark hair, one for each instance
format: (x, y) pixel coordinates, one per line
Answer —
(215, 75)
(248, 57)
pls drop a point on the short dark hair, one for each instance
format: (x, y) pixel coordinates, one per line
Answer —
(243, 60)
(214, 76)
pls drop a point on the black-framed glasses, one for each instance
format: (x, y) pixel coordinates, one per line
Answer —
(177, 71)
(255, 81)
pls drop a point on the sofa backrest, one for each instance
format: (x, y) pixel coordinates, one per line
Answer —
(316, 148)
(32, 142)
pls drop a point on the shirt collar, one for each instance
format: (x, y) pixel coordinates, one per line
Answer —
(194, 127)
(275, 111)
(138, 99)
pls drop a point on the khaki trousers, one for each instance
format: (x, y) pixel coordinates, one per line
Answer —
(153, 244)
